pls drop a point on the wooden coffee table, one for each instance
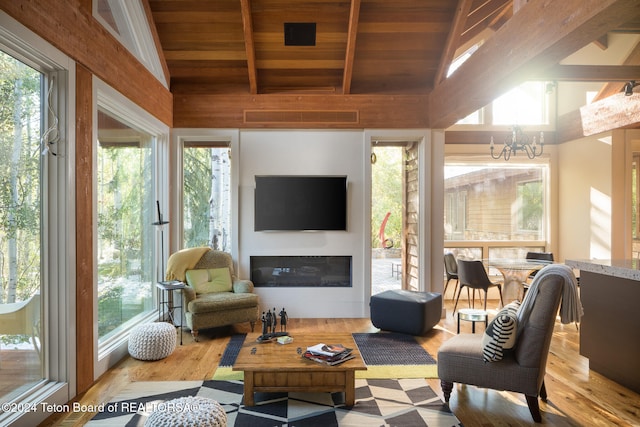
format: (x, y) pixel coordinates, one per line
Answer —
(273, 367)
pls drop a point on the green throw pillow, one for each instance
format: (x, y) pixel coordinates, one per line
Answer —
(205, 281)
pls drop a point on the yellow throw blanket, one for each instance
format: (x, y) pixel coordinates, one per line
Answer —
(181, 261)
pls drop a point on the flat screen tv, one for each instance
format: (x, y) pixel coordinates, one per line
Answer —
(300, 203)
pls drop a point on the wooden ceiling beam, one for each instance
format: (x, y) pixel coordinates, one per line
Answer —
(453, 39)
(614, 112)
(354, 19)
(523, 47)
(484, 136)
(247, 27)
(591, 73)
(612, 88)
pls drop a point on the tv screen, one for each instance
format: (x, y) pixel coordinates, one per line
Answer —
(300, 203)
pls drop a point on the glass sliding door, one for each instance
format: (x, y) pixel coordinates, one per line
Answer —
(22, 123)
(126, 209)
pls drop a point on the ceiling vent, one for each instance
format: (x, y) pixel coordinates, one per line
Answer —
(299, 33)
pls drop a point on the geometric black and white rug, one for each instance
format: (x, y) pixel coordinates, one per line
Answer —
(379, 402)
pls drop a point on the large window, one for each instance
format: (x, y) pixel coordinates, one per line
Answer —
(491, 202)
(126, 208)
(526, 104)
(207, 195)
(21, 268)
(36, 225)
(523, 105)
(131, 183)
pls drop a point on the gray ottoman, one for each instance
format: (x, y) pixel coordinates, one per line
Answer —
(408, 312)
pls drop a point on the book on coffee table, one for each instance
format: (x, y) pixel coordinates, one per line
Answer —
(326, 360)
(332, 354)
(328, 349)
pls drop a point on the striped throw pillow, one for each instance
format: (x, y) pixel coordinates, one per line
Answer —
(501, 333)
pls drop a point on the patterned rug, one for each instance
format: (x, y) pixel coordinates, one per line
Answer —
(388, 355)
(404, 402)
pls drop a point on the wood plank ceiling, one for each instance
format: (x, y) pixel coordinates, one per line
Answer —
(361, 46)
(364, 48)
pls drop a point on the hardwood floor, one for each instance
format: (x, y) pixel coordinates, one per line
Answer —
(577, 396)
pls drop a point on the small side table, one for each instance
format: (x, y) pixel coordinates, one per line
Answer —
(166, 305)
(472, 315)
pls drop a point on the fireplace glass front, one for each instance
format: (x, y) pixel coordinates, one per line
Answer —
(301, 271)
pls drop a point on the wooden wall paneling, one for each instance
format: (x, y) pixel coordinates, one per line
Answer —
(410, 259)
(84, 229)
(90, 44)
(222, 111)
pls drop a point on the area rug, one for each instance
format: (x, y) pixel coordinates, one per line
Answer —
(404, 402)
(388, 355)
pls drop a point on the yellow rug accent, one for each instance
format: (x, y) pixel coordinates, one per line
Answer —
(383, 372)
(225, 373)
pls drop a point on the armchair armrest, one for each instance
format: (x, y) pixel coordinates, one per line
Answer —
(189, 295)
(243, 286)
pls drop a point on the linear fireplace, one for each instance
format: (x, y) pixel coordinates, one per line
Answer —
(301, 271)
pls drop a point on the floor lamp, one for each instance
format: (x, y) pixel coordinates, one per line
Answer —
(160, 223)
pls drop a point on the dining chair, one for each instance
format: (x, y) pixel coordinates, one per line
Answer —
(472, 274)
(544, 257)
(539, 256)
(451, 269)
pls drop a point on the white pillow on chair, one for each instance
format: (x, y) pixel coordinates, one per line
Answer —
(501, 333)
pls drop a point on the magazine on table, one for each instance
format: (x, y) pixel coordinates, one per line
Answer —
(332, 354)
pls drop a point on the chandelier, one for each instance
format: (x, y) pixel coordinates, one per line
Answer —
(518, 141)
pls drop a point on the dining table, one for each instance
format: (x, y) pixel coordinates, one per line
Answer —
(515, 272)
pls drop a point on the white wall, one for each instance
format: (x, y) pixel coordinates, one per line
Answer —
(319, 152)
(306, 153)
(573, 95)
(585, 193)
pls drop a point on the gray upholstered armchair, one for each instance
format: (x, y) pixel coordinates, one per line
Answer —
(214, 296)
(522, 369)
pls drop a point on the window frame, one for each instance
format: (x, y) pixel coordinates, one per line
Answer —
(111, 350)
(58, 225)
(485, 246)
(230, 137)
(137, 37)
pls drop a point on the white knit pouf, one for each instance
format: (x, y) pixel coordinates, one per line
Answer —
(152, 341)
(190, 411)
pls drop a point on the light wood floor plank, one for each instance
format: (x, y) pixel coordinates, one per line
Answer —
(577, 396)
